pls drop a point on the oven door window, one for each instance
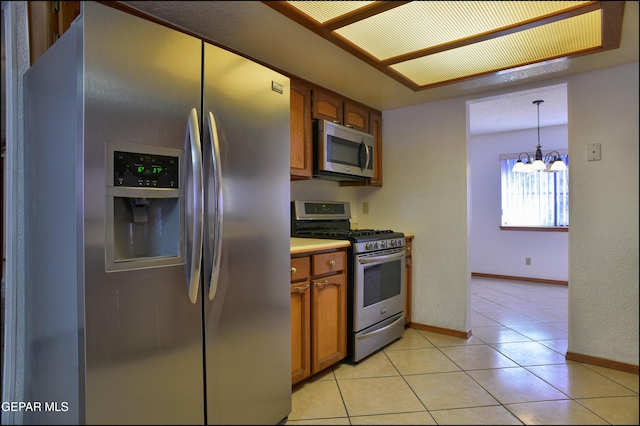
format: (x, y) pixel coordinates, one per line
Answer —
(382, 282)
(378, 287)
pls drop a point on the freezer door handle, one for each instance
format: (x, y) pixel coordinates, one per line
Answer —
(195, 206)
(218, 196)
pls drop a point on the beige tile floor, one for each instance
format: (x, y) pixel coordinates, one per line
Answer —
(512, 371)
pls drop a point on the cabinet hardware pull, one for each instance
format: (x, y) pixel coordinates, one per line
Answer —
(332, 263)
(293, 270)
(322, 284)
(302, 288)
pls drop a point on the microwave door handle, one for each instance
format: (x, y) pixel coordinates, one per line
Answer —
(368, 159)
(367, 156)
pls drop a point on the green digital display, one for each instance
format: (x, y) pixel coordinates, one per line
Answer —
(153, 170)
(145, 170)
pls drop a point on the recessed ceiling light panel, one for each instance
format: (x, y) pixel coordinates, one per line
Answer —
(323, 11)
(554, 40)
(423, 24)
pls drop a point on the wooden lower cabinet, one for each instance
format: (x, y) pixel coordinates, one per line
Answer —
(328, 321)
(408, 274)
(300, 331)
(318, 312)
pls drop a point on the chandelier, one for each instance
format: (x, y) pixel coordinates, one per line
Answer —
(538, 162)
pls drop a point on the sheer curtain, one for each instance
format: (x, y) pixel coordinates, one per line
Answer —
(536, 198)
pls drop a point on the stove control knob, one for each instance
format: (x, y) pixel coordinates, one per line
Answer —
(384, 244)
(367, 246)
(393, 243)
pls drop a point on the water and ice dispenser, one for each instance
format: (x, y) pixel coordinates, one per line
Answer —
(145, 201)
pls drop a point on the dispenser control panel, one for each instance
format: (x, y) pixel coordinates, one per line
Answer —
(144, 170)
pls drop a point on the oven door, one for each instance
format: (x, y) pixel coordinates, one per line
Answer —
(379, 283)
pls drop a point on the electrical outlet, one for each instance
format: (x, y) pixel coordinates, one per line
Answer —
(593, 152)
(365, 208)
(527, 261)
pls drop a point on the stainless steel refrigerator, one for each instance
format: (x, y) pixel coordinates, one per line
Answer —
(157, 230)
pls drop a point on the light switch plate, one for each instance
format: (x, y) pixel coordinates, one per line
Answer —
(593, 152)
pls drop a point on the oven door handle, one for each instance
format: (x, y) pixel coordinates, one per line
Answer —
(384, 258)
(382, 330)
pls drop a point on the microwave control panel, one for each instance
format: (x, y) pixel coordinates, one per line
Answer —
(138, 170)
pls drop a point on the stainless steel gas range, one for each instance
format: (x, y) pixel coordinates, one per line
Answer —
(376, 273)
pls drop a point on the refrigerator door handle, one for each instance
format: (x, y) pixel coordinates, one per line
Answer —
(217, 189)
(195, 205)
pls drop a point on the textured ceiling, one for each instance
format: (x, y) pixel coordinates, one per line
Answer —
(259, 32)
(516, 110)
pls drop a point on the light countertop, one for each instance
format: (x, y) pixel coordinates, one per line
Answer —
(303, 245)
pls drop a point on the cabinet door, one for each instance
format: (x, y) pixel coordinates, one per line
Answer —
(327, 106)
(356, 117)
(407, 288)
(375, 126)
(300, 331)
(301, 136)
(48, 20)
(329, 321)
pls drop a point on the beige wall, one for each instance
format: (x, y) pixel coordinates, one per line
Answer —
(426, 192)
(603, 239)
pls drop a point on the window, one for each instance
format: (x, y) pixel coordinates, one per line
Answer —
(536, 199)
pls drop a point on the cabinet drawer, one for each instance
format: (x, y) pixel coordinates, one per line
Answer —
(300, 268)
(328, 262)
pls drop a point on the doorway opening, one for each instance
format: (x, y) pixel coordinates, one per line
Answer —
(504, 125)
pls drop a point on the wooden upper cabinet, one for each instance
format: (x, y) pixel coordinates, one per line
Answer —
(327, 106)
(301, 132)
(48, 20)
(376, 131)
(356, 117)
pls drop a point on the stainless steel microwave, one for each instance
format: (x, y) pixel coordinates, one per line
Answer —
(342, 153)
